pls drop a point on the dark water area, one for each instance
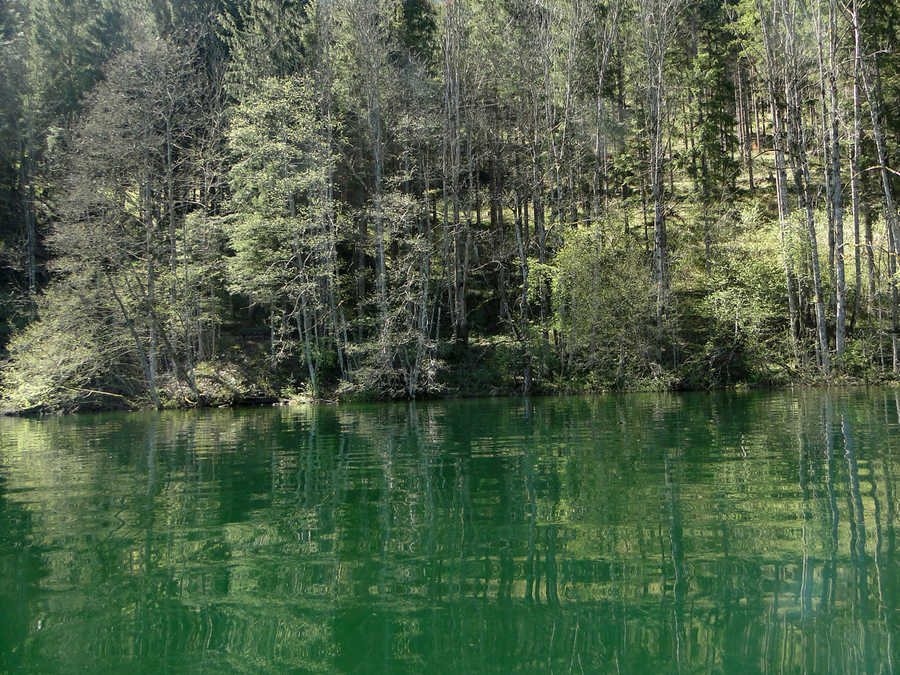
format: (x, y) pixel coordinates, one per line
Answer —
(724, 533)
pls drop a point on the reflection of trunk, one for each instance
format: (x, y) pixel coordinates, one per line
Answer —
(676, 540)
(428, 478)
(885, 606)
(532, 576)
(860, 603)
(857, 519)
(550, 571)
(829, 574)
(889, 486)
(144, 608)
(806, 580)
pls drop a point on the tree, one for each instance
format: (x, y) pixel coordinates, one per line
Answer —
(367, 39)
(283, 229)
(18, 232)
(658, 25)
(120, 204)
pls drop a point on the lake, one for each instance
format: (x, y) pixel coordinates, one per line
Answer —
(661, 533)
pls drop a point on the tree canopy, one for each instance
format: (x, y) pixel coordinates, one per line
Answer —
(260, 199)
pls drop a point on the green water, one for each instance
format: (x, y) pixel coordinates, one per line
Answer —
(646, 533)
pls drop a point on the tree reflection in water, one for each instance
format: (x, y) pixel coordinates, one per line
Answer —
(720, 533)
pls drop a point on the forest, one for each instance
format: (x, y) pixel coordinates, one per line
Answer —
(232, 201)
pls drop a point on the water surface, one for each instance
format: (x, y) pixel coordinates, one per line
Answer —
(645, 533)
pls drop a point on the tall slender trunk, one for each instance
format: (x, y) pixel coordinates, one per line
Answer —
(759, 122)
(151, 287)
(459, 235)
(378, 159)
(303, 330)
(149, 374)
(778, 142)
(837, 191)
(895, 301)
(361, 238)
(602, 54)
(871, 272)
(660, 250)
(657, 190)
(170, 213)
(797, 143)
(826, 145)
(743, 109)
(523, 331)
(26, 186)
(854, 167)
(800, 163)
(873, 94)
(325, 79)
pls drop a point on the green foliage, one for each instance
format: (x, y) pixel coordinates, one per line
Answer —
(71, 42)
(263, 39)
(604, 305)
(349, 189)
(75, 355)
(277, 181)
(284, 226)
(743, 315)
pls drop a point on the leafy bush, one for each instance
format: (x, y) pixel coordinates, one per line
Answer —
(605, 307)
(73, 356)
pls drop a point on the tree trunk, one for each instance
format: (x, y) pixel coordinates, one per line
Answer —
(800, 164)
(778, 141)
(826, 147)
(139, 345)
(837, 193)
(890, 210)
(854, 168)
(151, 288)
(26, 185)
